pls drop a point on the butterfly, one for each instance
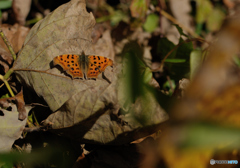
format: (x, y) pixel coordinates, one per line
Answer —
(82, 66)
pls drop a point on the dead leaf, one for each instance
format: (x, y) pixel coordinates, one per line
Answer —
(10, 126)
(140, 155)
(104, 45)
(66, 30)
(85, 110)
(19, 101)
(21, 9)
(16, 35)
(5, 59)
(181, 10)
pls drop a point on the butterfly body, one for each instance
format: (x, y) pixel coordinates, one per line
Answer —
(82, 66)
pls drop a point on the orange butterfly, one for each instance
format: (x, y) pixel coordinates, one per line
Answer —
(82, 66)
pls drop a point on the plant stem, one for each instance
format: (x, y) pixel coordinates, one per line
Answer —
(7, 85)
(8, 44)
(172, 19)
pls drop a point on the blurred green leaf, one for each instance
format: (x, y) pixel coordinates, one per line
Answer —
(204, 8)
(133, 79)
(211, 136)
(180, 30)
(164, 46)
(117, 17)
(147, 75)
(195, 61)
(215, 19)
(178, 61)
(5, 96)
(151, 23)
(38, 157)
(175, 60)
(139, 8)
(5, 4)
(199, 27)
(180, 70)
(236, 59)
(169, 85)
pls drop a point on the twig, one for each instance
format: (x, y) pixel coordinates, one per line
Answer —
(8, 44)
(172, 19)
(7, 85)
(10, 71)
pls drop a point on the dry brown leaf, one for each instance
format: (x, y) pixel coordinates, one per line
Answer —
(139, 155)
(85, 110)
(19, 101)
(21, 9)
(181, 10)
(11, 126)
(16, 35)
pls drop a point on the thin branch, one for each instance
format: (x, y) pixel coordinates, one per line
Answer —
(9, 46)
(172, 19)
(7, 85)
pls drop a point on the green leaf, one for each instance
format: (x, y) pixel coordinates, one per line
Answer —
(139, 8)
(164, 46)
(181, 70)
(175, 60)
(180, 30)
(178, 61)
(169, 85)
(134, 88)
(147, 75)
(211, 136)
(204, 8)
(236, 60)
(5, 96)
(151, 23)
(195, 61)
(215, 19)
(5, 4)
(117, 16)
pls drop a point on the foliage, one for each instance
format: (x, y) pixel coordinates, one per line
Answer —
(153, 50)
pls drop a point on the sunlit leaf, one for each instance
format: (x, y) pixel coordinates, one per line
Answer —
(215, 19)
(204, 8)
(5, 96)
(151, 22)
(5, 4)
(211, 136)
(139, 8)
(195, 61)
(236, 60)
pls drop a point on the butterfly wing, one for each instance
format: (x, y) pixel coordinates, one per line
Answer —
(97, 65)
(71, 64)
